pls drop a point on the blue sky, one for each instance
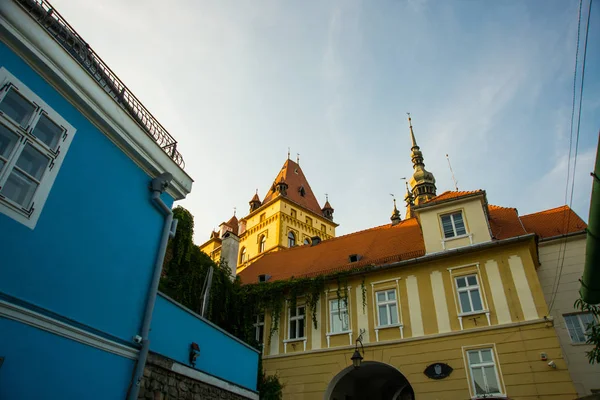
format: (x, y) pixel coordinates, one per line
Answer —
(238, 82)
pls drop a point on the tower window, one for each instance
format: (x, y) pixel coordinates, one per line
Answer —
(323, 228)
(243, 255)
(302, 191)
(306, 241)
(308, 221)
(261, 245)
(262, 217)
(291, 239)
(293, 213)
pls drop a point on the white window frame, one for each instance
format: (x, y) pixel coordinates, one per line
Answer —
(582, 325)
(259, 322)
(387, 303)
(469, 289)
(336, 312)
(262, 244)
(29, 217)
(455, 234)
(298, 318)
(494, 363)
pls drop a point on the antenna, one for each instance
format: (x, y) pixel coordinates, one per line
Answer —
(288, 153)
(452, 172)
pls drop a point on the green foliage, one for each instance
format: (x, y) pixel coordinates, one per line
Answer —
(269, 387)
(593, 330)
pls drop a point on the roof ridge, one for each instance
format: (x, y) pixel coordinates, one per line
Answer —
(563, 207)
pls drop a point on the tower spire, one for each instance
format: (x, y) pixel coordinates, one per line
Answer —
(395, 218)
(422, 181)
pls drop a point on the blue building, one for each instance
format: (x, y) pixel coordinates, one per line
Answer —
(87, 180)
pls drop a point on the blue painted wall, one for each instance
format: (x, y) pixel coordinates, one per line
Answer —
(91, 255)
(40, 365)
(173, 331)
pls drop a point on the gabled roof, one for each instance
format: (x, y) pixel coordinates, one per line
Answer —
(292, 174)
(452, 195)
(553, 222)
(388, 243)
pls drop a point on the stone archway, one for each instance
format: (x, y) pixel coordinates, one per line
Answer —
(371, 381)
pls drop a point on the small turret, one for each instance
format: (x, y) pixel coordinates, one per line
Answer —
(327, 209)
(395, 215)
(410, 202)
(255, 202)
(281, 187)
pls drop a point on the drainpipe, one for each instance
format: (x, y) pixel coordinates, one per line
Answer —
(158, 185)
(590, 282)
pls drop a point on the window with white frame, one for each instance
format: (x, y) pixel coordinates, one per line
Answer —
(453, 225)
(578, 326)
(469, 294)
(259, 328)
(483, 371)
(296, 323)
(387, 307)
(338, 316)
(262, 243)
(33, 142)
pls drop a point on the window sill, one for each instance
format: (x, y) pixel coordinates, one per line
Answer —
(302, 339)
(456, 237)
(338, 333)
(467, 314)
(389, 326)
(581, 344)
(490, 397)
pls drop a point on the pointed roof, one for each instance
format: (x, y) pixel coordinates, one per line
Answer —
(292, 175)
(327, 206)
(255, 198)
(233, 223)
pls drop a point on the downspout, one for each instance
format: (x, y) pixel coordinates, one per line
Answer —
(590, 282)
(157, 186)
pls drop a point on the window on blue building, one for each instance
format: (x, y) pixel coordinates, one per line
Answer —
(33, 142)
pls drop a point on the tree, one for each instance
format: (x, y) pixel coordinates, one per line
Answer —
(593, 330)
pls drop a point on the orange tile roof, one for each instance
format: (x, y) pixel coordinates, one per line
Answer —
(388, 243)
(377, 245)
(292, 174)
(554, 222)
(453, 194)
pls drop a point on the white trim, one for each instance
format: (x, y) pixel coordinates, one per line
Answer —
(497, 368)
(213, 381)
(463, 266)
(497, 291)
(439, 301)
(59, 328)
(517, 270)
(430, 336)
(385, 281)
(62, 72)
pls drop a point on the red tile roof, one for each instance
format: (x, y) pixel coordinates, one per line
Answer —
(387, 243)
(292, 174)
(452, 194)
(554, 222)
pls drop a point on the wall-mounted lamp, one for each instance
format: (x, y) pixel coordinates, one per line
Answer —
(356, 357)
(194, 353)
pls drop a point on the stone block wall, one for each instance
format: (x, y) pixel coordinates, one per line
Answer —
(161, 383)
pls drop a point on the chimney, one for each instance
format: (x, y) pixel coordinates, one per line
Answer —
(229, 251)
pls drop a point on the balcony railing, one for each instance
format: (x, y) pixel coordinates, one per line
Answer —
(47, 17)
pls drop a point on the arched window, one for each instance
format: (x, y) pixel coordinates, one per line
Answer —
(307, 241)
(291, 239)
(261, 245)
(243, 255)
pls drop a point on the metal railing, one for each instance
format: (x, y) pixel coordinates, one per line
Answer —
(49, 19)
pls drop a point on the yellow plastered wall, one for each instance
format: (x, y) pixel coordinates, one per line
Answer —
(475, 222)
(511, 295)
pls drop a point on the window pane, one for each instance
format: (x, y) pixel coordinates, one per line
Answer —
(465, 306)
(48, 132)
(383, 320)
(380, 297)
(476, 299)
(261, 318)
(393, 314)
(460, 282)
(472, 280)
(447, 226)
(17, 107)
(345, 322)
(33, 162)
(478, 381)
(333, 304)
(586, 320)
(300, 310)
(575, 330)
(261, 333)
(293, 312)
(391, 295)
(473, 357)
(459, 225)
(486, 355)
(336, 323)
(292, 329)
(1, 165)
(301, 328)
(19, 188)
(490, 377)
(8, 139)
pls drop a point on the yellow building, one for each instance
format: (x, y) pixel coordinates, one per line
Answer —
(288, 216)
(445, 304)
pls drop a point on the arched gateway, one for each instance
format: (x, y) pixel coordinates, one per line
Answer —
(372, 381)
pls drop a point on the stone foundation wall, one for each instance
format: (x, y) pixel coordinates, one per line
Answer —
(161, 383)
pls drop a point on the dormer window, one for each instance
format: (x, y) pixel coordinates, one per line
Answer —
(453, 225)
(302, 191)
(353, 258)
